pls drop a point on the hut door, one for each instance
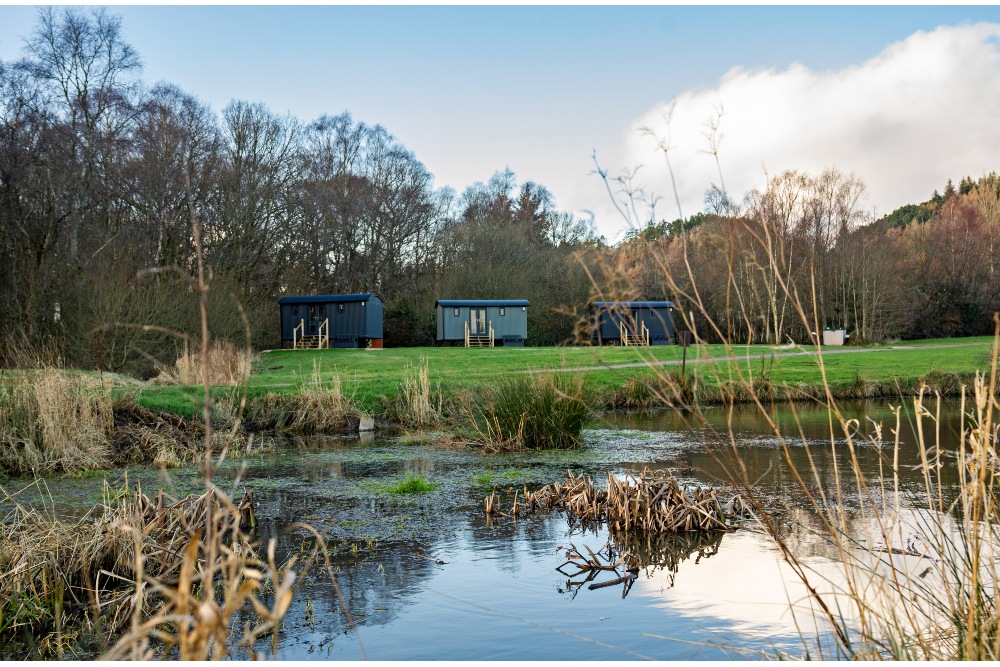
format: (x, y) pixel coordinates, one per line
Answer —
(477, 321)
(313, 323)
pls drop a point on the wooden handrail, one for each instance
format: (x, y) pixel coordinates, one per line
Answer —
(324, 339)
(295, 336)
(466, 334)
(491, 334)
(643, 336)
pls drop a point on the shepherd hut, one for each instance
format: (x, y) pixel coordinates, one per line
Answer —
(331, 320)
(482, 322)
(632, 322)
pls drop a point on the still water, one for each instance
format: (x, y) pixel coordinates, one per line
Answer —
(430, 577)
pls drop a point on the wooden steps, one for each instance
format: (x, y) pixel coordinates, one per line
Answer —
(480, 341)
(631, 339)
(309, 343)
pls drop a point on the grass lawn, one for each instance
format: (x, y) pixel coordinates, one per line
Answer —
(369, 375)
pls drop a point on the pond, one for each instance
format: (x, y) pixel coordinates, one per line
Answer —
(429, 577)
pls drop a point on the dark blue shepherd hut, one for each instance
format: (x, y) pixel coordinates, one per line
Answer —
(632, 322)
(331, 320)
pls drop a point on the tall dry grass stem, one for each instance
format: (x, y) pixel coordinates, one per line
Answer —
(913, 570)
(417, 404)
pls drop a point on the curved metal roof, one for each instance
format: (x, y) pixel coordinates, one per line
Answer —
(633, 304)
(458, 303)
(329, 298)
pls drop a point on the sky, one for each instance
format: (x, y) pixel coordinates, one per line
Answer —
(905, 97)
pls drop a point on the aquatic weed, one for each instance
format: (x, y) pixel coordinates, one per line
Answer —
(412, 485)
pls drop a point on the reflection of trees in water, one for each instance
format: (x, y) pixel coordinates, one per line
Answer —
(514, 541)
(373, 591)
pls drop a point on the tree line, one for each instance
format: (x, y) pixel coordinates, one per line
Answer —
(812, 242)
(102, 176)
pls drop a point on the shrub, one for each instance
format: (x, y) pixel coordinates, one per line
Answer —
(530, 411)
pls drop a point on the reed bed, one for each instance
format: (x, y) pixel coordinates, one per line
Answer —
(226, 364)
(543, 411)
(654, 502)
(61, 580)
(52, 421)
(651, 503)
(416, 405)
(320, 406)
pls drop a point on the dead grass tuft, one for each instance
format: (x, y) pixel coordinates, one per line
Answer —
(94, 573)
(651, 503)
(319, 406)
(228, 365)
(416, 406)
(54, 421)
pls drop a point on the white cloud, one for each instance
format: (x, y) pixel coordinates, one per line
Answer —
(924, 110)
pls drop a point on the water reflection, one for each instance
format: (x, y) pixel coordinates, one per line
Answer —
(499, 595)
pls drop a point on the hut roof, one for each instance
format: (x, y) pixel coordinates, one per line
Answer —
(458, 303)
(329, 298)
(633, 304)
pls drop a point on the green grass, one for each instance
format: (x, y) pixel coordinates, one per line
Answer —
(412, 485)
(985, 340)
(371, 378)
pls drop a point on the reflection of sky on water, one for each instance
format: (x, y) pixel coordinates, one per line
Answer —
(746, 587)
(499, 597)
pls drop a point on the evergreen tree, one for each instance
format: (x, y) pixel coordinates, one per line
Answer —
(949, 190)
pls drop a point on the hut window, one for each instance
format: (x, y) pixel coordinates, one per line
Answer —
(503, 312)
(524, 309)
(456, 312)
(340, 308)
(295, 310)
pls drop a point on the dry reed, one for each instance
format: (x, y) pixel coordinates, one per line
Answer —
(319, 406)
(416, 405)
(227, 365)
(52, 420)
(61, 578)
(652, 502)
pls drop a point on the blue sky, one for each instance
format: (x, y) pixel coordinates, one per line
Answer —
(474, 89)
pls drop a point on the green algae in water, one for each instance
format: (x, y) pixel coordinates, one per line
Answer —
(506, 477)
